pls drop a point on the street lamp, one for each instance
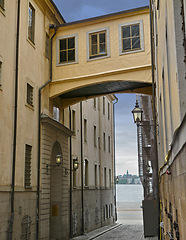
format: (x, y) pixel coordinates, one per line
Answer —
(137, 113)
(58, 161)
(75, 166)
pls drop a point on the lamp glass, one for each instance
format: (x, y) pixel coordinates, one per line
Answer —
(137, 113)
(59, 159)
(76, 164)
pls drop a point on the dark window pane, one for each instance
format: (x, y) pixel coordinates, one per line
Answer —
(63, 56)
(102, 38)
(94, 49)
(126, 32)
(102, 48)
(94, 39)
(71, 55)
(63, 45)
(135, 30)
(136, 42)
(126, 44)
(71, 43)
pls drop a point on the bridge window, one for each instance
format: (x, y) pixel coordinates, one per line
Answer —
(67, 50)
(98, 44)
(131, 37)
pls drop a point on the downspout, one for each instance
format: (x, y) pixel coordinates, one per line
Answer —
(10, 229)
(39, 136)
(155, 175)
(70, 126)
(82, 183)
(114, 133)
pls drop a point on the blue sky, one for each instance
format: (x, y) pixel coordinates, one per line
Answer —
(126, 145)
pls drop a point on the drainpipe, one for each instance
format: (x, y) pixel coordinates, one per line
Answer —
(11, 222)
(39, 137)
(70, 126)
(155, 175)
(82, 183)
(114, 128)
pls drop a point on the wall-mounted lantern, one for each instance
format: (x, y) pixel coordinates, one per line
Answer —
(58, 160)
(137, 113)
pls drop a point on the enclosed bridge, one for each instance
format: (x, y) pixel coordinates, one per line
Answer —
(102, 55)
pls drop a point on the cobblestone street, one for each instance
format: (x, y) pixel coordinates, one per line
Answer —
(117, 232)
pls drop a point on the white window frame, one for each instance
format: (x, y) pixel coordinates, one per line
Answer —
(140, 22)
(76, 49)
(107, 43)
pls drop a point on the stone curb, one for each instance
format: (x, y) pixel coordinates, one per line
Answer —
(98, 232)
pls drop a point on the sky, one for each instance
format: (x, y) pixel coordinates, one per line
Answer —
(126, 132)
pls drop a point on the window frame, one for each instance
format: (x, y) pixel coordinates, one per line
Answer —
(107, 42)
(58, 49)
(1, 72)
(141, 34)
(32, 37)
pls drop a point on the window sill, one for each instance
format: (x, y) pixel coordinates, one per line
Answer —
(28, 188)
(31, 43)
(97, 58)
(29, 106)
(86, 187)
(132, 51)
(67, 63)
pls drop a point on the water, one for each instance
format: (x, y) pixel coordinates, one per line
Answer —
(129, 200)
(129, 193)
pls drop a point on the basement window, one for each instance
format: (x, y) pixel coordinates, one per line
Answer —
(0, 73)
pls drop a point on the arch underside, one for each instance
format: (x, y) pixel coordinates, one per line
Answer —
(100, 89)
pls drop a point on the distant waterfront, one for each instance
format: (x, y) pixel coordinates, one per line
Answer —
(128, 200)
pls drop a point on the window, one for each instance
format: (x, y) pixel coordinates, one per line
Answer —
(108, 110)
(56, 113)
(28, 157)
(109, 144)
(74, 176)
(2, 4)
(29, 94)
(73, 121)
(85, 130)
(67, 50)
(86, 173)
(95, 136)
(94, 102)
(110, 178)
(31, 23)
(105, 177)
(98, 44)
(131, 37)
(96, 176)
(47, 46)
(104, 142)
(103, 105)
(0, 73)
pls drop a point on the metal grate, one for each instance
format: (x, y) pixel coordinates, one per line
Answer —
(96, 215)
(25, 228)
(74, 220)
(29, 94)
(28, 152)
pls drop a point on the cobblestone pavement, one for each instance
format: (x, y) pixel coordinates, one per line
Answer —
(116, 232)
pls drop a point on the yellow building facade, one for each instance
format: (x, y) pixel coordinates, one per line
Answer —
(169, 45)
